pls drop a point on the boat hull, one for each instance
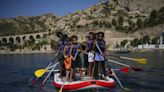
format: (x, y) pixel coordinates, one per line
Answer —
(85, 84)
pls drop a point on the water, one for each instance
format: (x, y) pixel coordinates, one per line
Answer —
(16, 71)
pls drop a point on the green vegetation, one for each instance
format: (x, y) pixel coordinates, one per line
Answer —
(146, 39)
(39, 45)
(156, 18)
(53, 44)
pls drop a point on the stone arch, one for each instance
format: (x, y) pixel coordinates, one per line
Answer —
(11, 40)
(4, 40)
(18, 39)
(31, 37)
(24, 37)
(38, 36)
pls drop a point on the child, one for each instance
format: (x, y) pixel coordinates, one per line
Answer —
(99, 57)
(61, 44)
(76, 60)
(67, 55)
(89, 45)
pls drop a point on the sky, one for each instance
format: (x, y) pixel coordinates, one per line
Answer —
(13, 8)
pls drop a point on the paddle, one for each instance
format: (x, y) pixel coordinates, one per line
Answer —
(39, 73)
(125, 69)
(138, 60)
(133, 68)
(119, 82)
(64, 82)
(50, 72)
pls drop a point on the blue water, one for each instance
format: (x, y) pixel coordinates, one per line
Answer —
(16, 73)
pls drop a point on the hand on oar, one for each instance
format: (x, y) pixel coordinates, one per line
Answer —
(138, 60)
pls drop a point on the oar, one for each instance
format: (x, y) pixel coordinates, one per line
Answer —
(125, 69)
(119, 82)
(138, 60)
(64, 82)
(114, 73)
(133, 68)
(39, 73)
(50, 73)
(75, 55)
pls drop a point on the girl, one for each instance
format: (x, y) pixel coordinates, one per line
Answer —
(76, 62)
(99, 55)
(90, 53)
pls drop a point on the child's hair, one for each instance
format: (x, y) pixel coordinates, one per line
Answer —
(74, 36)
(58, 33)
(101, 33)
(91, 33)
(65, 37)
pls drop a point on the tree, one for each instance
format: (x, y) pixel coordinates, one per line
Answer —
(153, 15)
(139, 23)
(53, 44)
(108, 25)
(114, 22)
(135, 42)
(146, 39)
(121, 20)
(155, 40)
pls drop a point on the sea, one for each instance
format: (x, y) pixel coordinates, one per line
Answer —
(17, 72)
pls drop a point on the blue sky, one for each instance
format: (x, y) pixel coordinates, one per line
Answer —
(13, 8)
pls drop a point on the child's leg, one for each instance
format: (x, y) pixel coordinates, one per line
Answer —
(103, 67)
(96, 69)
(71, 74)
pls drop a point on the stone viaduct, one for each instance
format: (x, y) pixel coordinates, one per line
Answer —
(21, 39)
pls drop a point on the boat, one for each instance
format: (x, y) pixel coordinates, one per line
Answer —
(86, 83)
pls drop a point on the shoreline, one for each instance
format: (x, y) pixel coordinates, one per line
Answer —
(47, 52)
(29, 52)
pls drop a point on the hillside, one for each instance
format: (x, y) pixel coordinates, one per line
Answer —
(124, 16)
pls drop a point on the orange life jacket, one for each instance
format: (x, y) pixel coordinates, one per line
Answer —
(68, 62)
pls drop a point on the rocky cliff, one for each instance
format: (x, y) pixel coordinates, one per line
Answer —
(122, 16)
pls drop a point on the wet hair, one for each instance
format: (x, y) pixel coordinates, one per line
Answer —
(95, 36)
(74, 36)
(58, 34)
(65, 37)
(102, 33)
(91, 33)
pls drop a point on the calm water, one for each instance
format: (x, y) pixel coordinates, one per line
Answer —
(16, 71)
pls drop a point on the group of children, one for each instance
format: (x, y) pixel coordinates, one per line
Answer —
(89, 55)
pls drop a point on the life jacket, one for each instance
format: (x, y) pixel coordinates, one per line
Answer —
(101, 44)
(89, 45)
(76, 46)
(68, 50)
(61, 45)
(68, 62)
